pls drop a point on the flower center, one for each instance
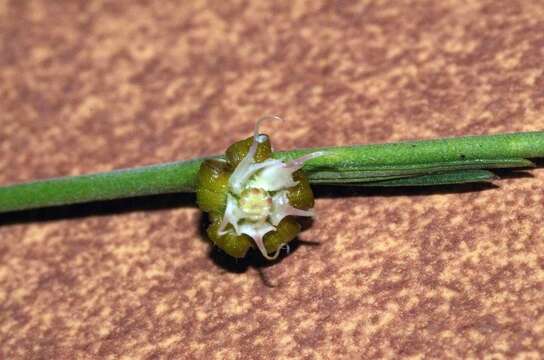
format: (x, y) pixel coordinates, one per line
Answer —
(256, 204)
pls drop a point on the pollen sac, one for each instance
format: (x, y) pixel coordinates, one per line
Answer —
(252, 199)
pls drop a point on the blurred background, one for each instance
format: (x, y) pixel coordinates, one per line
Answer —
(89, 86)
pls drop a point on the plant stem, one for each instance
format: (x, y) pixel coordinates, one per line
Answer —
(452, 160)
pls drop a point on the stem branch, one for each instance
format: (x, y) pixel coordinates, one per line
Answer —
(414, 160)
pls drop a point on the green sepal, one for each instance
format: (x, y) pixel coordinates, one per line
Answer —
(237, 151)
(232, 244)
(212, 186)
(301, 195)
(287, 230)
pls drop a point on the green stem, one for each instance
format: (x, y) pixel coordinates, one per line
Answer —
(385, 164)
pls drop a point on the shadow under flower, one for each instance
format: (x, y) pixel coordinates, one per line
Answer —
(253, 258)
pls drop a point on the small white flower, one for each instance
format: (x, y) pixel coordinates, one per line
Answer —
(257, 198)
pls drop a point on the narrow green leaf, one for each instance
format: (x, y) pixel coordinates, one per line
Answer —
(453, 177)
(387, 172)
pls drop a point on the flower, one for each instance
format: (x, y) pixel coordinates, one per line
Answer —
(253, 199)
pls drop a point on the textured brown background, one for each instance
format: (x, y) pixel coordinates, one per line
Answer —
(91, 86)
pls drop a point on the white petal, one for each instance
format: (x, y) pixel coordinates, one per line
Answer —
(278, 175)
(232, 216)
(299, 162)
(281, 208)
(257, 233)
(274, 177)
(247, 166)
